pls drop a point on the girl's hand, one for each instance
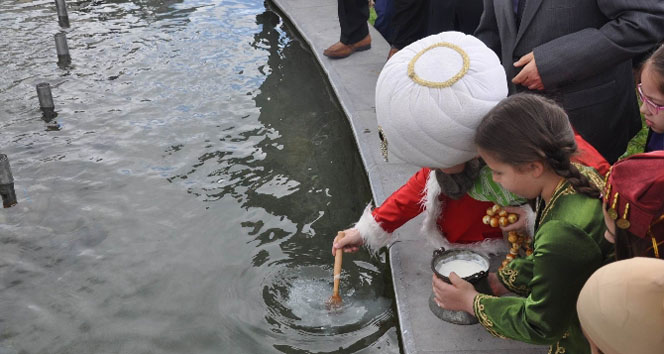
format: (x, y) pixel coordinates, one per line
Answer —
(497, 288)
(350, 243)
(521, 225)
(457, 296)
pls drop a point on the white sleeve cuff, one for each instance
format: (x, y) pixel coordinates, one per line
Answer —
(373, 235)
(530, 216)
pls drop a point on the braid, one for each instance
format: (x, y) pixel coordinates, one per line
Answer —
(524, 128)
(559, 160)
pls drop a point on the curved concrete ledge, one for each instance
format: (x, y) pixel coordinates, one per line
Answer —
(353, 80)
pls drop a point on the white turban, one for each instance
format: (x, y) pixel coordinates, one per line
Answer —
(432, 95)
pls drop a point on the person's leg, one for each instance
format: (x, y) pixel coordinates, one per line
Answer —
(384, 11)
(410, 21)
(467, 15)
(353, 17)
(441, 16)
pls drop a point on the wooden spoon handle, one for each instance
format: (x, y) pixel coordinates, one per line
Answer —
(337, 266)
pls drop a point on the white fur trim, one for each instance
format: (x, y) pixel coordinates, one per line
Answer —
(433, 208)
(530, 216)
(373, 235)
(376, 238)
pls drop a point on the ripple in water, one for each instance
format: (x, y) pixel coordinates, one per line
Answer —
(296, 299)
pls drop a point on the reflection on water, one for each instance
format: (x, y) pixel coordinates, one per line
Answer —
(185, 197)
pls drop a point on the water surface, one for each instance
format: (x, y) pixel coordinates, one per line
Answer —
(186, 195)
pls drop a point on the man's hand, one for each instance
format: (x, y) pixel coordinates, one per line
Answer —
(529, 75)
(350, 243)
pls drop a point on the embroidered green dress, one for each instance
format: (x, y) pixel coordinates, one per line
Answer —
(568, 247)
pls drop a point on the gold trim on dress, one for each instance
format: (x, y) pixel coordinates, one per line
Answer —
(557, 193)
(560, 190)
(559, 348)
(483, 317)
(508, 277)
(593, 176)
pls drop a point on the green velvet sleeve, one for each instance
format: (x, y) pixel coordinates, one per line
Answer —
(563, 258)
(517, 274)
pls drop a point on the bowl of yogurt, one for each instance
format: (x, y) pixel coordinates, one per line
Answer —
(466, 263)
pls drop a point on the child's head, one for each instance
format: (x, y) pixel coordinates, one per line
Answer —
(527, 131)
(651, 90)
(634, 207)
(620, 307)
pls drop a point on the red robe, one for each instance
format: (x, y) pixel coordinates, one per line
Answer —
(463, 217)
(460, 221)
(587, 155)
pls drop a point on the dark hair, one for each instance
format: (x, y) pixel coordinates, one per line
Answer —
(525, 128)
(629, 245)
(657, 62)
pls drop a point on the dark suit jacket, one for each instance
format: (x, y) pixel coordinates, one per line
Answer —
(583, 51)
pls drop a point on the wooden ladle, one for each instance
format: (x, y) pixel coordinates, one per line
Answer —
(335, 301)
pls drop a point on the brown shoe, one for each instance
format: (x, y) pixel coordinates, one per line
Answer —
(339, 50)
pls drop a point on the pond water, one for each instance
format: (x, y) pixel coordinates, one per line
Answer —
(185, 198)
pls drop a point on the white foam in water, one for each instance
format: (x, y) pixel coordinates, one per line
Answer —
(307, 300)
(462, 268)
(298, 298)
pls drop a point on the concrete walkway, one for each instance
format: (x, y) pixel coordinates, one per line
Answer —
(353, 80)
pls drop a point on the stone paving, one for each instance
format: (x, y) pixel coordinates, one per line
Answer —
(353, 80)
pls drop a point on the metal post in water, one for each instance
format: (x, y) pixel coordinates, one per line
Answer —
(6, 183)
(64, 59)
(46, 100)
(63, 18)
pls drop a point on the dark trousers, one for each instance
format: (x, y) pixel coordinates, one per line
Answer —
(410, 21)
(454, 15)
(416, 19)
(353, 17)
(384, 13)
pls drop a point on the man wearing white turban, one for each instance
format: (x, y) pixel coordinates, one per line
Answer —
(430, 97)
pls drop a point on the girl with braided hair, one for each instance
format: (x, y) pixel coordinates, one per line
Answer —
(527, 141)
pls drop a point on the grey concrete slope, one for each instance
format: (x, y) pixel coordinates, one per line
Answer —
(353, 80)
